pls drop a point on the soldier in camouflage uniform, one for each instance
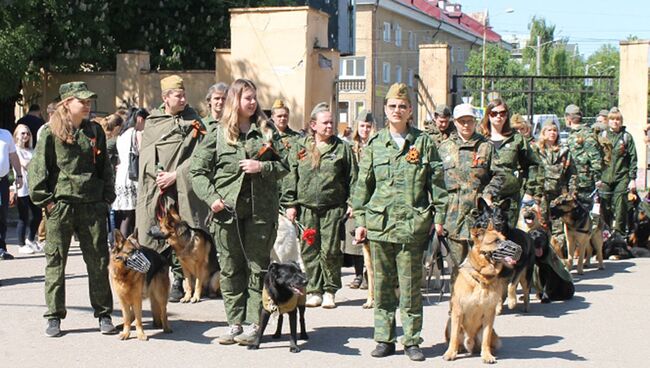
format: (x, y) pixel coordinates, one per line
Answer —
(316, 192)
(280, 116)
(470, 171)
(515, 156)
(71, 177)
(586, 156)
(398, 201)
(236, 171)
(215, 98)
(441, 127)
(620, 176)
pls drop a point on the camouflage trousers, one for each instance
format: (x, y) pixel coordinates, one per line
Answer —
(614, 206)
(89, 222)
(458, 249)
(242, 274)
(555, 227)
(397, 264)
(323, 259)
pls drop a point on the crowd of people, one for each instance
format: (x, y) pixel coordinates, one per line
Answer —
(232, 171)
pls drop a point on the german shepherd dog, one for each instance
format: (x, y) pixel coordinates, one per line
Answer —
(477, 293)
(197, 254)
(639, 223)
(283, 292)
(522, 272)
(578, 230)
(553, 287)
(132, 286)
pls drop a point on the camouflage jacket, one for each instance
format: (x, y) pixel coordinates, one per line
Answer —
(586, 158)
(399, 190)
(554, 171)
(470, 170)
(287, 138)
(80, 172)
(209, 122)
(437, 136)
(327, 186)
(215, 172)
(519, 162)
(623, 164)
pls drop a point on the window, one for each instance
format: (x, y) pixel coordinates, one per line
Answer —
(411, 77)
(358, 106)
(344, 111)
(411, 40)
(398, 36)
(386, 32)
(352, 68)
(398, 74)
(386, 73)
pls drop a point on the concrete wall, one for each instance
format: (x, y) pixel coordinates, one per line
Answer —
(435, 77)
(279, 48)
(633, 97)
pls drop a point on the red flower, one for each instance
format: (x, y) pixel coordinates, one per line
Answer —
(309, 236)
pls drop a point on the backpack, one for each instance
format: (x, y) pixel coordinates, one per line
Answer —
(605, 147)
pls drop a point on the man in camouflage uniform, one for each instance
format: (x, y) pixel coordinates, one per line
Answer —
(399, 173)
(586, 155)
(216, 97)
(620, 175)
(441, 127)
(470, 171)
(169, 137)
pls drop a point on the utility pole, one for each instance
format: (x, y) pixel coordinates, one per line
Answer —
(538, 69)
(485, 22)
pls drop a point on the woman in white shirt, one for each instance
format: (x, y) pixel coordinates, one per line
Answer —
(26, 241)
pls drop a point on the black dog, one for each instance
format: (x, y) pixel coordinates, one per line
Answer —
(522, 272)
(283, 292)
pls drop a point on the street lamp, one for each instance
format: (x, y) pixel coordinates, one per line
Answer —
(538, 54)
(485, 26)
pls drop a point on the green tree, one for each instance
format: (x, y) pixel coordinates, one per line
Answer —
(603, 62)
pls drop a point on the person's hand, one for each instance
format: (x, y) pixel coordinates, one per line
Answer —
(18, 182)
(165, 179)
(250, 166)
(599, 184)
(440, 231)
(217, 206)
(349, 213)
(50, 207)
(360, 234)
(12, 198)
(632, 185)
(291, 213)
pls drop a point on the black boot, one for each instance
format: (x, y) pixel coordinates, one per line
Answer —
(383, 349)
(414, 353)
(177, 292)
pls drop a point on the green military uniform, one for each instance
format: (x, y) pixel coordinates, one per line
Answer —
(244, 238)
(167, 144)
(399, 192)
(321, 196)
(518, 162)
(437, 136)
(616, 177)
(552, 177)
(587, 162)
(209, 122)
(78, 179)
(470, 170)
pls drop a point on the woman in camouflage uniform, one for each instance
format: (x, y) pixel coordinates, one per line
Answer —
(72, 178)
(235, 170)
(515, 156)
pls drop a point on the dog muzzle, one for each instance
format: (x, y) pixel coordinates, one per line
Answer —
(138, 262)
(507, 251)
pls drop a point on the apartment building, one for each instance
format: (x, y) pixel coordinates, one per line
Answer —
(387, 35)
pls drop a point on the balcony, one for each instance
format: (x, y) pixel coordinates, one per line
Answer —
(352, 85)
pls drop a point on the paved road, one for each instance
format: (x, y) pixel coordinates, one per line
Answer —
(605, 325)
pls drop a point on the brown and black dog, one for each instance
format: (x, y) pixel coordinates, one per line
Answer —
(477, 293)
(132, 286)
(197, 255)
(578, 229)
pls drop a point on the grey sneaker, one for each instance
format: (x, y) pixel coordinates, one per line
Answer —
(248, 336)
(106, 326)
(53, 327)
(229, 337)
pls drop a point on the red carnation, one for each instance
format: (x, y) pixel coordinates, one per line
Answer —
(309, 236)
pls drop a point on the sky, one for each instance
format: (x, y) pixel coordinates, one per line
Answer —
(590, 24)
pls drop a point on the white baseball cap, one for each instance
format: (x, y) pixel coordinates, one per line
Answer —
(463, 110)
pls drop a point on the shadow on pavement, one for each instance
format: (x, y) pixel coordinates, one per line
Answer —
(593, 272)
(190, 331)
(37, 279)
(528, 347)
(556, 309)
(335, 339)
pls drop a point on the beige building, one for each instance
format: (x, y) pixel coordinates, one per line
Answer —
(388, 34)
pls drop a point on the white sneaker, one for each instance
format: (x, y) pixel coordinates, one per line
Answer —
(229, 337)
(248, 336)
(25, 249)
(34, 245)
(328, 301)
(314, 300)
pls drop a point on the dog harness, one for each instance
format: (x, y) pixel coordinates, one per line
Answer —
(269, 305)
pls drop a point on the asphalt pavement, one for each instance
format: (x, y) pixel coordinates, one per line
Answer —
(606, 324)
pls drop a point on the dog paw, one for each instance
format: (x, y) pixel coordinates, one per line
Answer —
(449, 356)
(545, 300)
(167, 330)
(124, 335)
(294, 349)
(142, 337)
(185, 299)
(488, 358)
(253, 347)
(304, 336)
(512, 304)
(195, 300)
(368, 305)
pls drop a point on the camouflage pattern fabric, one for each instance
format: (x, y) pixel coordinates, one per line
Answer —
(587, 162)
(616, 177)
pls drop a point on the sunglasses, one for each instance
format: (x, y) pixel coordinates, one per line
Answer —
(494, 114)
(400, 106)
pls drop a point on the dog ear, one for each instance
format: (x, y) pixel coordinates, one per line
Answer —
(482, 205)
(119, 238)
(273, 266)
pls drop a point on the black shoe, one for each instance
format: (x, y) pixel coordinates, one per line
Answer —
(414, 353)
(4, 255)
(177, 292)
(53, 327)
(383, 349)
